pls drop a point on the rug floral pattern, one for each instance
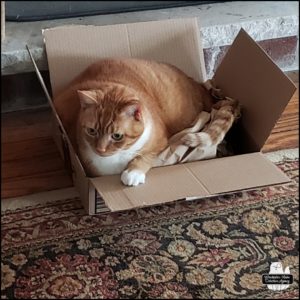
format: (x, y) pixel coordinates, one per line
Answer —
(214, 248)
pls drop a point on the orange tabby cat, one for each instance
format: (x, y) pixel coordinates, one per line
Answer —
(119, 114)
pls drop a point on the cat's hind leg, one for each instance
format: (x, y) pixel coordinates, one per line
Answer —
(224, 113)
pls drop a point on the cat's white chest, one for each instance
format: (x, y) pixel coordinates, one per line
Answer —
(109, 165)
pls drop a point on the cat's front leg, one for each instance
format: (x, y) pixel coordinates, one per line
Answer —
(135, 173)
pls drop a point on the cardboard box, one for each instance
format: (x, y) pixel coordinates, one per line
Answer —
(246, 73)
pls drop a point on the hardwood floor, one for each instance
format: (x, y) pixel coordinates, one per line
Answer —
(31, 162)
(285, 134)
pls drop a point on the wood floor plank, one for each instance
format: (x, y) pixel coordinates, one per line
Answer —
(285, 134)
(287, 138)
(25, 118)
(27, 148)
(26, 125)
(31, 162)
(17, 134)
(21, 186)
(31, 166)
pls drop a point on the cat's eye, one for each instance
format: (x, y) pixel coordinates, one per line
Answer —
(117, 136)
(91, 131)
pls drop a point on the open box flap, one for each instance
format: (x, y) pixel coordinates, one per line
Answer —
(70, 49)
(65, 144)
(249, 75)
(197, 179)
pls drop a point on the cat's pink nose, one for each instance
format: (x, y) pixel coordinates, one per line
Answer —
(101, 150)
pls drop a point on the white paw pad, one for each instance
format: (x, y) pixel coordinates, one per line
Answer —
(133, 177)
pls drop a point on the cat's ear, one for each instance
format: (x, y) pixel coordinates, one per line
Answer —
(133, 109)
(87, 98)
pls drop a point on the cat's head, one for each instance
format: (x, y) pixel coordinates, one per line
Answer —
(110, 120)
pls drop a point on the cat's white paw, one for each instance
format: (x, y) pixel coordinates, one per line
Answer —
(133, 177)
(199, 139)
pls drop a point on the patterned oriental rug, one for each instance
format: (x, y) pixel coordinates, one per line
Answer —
(214, 248)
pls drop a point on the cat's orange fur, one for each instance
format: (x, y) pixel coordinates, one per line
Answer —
(122, 95)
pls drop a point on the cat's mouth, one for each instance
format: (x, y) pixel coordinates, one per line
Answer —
(103, 154)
